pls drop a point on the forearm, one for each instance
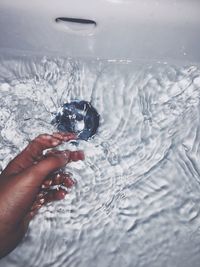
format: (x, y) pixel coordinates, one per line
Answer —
(15, 201)
(10, 237)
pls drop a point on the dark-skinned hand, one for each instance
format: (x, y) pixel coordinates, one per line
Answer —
(25, 185)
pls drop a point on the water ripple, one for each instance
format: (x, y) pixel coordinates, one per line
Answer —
(138, 193)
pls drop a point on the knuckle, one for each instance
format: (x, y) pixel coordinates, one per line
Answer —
(42, 136)
(34, 142)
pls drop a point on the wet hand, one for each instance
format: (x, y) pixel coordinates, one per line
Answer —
(25, 185)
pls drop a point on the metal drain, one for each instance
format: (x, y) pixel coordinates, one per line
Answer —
(78, 117)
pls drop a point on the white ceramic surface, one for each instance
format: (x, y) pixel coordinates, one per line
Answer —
(126, 29)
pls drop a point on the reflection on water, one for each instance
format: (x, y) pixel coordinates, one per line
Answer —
(137, 200)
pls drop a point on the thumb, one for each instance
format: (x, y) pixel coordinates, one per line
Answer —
(38, 172)
(49, 164)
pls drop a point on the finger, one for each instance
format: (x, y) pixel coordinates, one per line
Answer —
(68, 182)
(33, 152)
(47, 183)
(54, 195)
(51, 152)
(77, 155)
(58, 179)
(63, 179)
(74, 155)
(64, 136)
(36, 174)
(49, 196)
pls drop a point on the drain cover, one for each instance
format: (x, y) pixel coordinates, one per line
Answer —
(78, 117)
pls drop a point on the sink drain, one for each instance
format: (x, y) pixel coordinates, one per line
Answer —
(78, 117)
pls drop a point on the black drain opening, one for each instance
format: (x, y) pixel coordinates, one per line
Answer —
(76, 20)
(78, 117)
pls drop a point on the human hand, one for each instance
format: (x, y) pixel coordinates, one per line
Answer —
(25, 185)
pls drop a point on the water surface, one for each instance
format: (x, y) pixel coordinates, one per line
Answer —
(137, 200)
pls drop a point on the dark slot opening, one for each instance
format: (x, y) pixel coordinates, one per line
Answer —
(76, 20)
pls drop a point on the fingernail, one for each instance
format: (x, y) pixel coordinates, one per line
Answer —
(69, 182)
(60, 195)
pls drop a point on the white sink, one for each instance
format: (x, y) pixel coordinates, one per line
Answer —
(124, 29)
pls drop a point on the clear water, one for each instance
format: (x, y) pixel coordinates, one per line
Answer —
(137, 200)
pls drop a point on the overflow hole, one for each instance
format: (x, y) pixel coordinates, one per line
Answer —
(76, 20)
